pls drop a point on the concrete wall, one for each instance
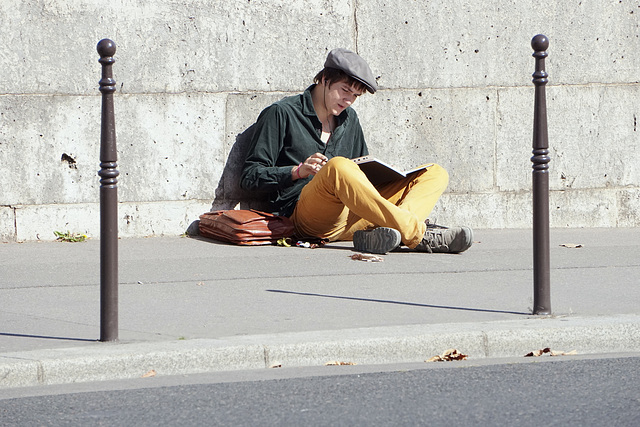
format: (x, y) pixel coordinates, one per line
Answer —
(192, 76)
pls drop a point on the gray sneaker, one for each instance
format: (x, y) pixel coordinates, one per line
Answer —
(377, 241)
(446, 240)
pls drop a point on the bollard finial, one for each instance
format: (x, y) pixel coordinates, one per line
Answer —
(540, 43)
(106, 48)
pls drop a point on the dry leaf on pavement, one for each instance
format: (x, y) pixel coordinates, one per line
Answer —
(572, 245)
(337, 363)
(545, 350)
(151, 373)
(447, 356)
(367, 258)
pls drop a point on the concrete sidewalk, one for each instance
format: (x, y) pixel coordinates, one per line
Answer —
(189, 305)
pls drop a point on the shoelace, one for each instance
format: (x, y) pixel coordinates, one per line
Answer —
(433, 224)
(436, 238)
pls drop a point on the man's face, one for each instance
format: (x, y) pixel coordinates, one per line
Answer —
(340, 95)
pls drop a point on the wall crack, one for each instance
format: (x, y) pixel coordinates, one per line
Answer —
(266, 357)
(355, 25)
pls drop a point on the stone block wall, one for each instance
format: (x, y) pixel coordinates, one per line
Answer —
(193, 75)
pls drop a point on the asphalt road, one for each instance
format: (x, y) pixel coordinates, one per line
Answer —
(542, 391)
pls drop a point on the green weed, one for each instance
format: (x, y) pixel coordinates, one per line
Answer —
(70, 237)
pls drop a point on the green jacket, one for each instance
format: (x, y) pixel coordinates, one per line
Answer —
(287, 133)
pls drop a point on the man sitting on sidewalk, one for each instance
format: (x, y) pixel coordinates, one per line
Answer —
(300, 154)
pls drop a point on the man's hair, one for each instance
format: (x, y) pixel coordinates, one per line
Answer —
(334, 75)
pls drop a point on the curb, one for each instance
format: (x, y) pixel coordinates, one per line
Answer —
(364, 346)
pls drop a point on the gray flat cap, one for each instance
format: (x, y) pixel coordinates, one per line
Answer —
(353, 65)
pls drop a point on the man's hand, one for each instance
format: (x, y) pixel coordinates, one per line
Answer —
(311, 166)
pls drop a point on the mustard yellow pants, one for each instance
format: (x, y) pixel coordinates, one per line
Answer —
(340, 200)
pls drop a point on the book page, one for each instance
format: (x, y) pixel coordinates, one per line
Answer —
(380, 172)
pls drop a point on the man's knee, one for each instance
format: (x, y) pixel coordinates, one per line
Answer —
(439, 174)
(337, 167)
(339, 163)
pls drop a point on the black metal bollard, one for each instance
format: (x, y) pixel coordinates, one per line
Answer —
(540, 159)
(108, 199)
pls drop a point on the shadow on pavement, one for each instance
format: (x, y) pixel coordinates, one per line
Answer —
(6, 334)
(414, 304)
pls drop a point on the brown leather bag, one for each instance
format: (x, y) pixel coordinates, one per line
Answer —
(245, 227)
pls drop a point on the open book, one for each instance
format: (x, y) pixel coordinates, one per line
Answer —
(379, 172)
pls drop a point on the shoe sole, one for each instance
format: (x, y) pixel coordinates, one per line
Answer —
(377, 241)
